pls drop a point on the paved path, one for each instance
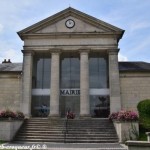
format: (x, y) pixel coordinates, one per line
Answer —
(62, 146)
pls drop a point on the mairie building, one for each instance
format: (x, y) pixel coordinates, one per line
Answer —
(70, 62)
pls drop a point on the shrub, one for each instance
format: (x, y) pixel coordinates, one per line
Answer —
(124, 115)
(144, 107)
(144, 114)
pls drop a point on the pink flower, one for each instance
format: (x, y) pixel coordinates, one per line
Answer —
(124, 115)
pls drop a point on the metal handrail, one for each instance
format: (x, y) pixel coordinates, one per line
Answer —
(66, 129)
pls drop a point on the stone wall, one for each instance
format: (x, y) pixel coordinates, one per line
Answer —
(134, 88)
(10, 91)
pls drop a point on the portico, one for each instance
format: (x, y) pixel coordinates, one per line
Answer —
(71, 62)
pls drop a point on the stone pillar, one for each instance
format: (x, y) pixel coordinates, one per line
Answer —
(54, 89)
(27, 82)
(84, 84)
(114, 81)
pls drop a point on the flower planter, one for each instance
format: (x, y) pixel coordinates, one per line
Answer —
(9, 128)
(126, 130)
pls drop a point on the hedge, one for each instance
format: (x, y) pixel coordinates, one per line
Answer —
(144, 107)
(144, 113)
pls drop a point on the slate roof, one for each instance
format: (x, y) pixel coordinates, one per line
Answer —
(11, 67)
(134, 66)
(123, 67)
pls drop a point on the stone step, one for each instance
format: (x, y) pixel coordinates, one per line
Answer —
(66, 141)
(70, 130)
(69, 127)
(62, 132)
(79, 131)
(71, 121)
(68, 134)
(68, 137)
(71, 124)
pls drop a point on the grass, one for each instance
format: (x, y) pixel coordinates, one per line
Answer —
(1, 142)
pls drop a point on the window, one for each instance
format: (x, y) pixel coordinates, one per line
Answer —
(98, 71)
(41, 72)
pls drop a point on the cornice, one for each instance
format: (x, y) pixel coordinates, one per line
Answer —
(113, 35)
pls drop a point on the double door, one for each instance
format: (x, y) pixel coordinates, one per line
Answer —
(71, 103)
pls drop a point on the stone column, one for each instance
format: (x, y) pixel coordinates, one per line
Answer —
(84, 84)
(54, 89)
(27, 82)
(114, 81)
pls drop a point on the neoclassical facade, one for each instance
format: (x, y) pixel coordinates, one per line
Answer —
(70, 62)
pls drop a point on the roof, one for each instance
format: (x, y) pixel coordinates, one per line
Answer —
(123, 66)
(11, 67)
(134, 66)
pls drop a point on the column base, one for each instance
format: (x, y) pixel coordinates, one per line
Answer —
(85, 116)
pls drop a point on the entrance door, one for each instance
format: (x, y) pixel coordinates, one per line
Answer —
(99, 106)
(71, 103)
(40, 106)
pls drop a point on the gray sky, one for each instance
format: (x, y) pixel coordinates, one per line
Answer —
(131, 15)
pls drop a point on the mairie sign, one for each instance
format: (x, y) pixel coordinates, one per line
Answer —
(69, 92)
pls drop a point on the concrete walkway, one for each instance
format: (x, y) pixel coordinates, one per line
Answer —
(63, 146)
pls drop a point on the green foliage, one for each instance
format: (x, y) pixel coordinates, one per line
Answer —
(144, 118)
(144, 113)
(142, 135)
(144, 108)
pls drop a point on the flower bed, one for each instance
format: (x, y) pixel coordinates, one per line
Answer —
(126, 125)
(124, 115)
(8, 114)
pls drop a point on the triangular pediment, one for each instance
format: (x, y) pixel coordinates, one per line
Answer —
(83, 24)
(79, 26)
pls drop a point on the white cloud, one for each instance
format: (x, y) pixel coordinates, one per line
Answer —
(122, 57)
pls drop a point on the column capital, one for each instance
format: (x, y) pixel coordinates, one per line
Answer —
(84, 50)
(113, 51)
(28, 52)
(55, 50)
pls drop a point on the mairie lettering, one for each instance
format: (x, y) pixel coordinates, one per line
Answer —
(69, 92)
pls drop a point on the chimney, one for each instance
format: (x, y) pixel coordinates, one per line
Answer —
(8, 61)
(5, 61)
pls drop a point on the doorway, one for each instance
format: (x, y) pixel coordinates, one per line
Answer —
(40, 106)
(71, 103)
(99, 106)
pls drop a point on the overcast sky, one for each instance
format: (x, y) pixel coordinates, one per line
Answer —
(131, 15)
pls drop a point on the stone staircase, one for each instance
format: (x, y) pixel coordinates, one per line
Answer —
(78, 131)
